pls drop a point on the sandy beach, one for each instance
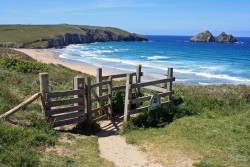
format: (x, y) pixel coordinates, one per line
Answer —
(49, 57)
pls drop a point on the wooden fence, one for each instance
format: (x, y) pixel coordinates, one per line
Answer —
(104, 101)
(165, 90)
(63, 108)
(78, 105)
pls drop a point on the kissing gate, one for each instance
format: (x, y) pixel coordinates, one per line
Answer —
(93, 101)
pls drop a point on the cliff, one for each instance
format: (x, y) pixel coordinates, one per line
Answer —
(48, 36)
(225, 38)
(203, 37)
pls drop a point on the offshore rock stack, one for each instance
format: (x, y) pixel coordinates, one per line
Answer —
(207, 36)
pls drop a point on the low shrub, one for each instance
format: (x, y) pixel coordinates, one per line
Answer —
(15, 64)
(118, 100)
(19, 145)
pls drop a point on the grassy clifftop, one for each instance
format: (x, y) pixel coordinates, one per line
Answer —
(47, 36)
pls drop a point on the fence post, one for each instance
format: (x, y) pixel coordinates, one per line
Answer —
(128, 96)
(138, 78)
(170, 84)
(44, 88)
(88, 98)
(99, 88)
(110, 110)
(79, 84)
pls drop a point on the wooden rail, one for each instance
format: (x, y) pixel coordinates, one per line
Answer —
(58, 111)
(65, 93)
(165, 92)
(98, 97)
(20, 106)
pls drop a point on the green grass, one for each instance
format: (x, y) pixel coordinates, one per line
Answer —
(209, 125)
(25, 143)
(26, 33)
(38, 36)
(77, 151)
(210, 128)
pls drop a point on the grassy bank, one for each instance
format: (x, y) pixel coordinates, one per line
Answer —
(47, 36)
(32, 141)
(209, 126)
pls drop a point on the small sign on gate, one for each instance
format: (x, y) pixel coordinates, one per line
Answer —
(155, 102)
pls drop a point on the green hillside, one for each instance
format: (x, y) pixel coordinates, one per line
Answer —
(46, 36)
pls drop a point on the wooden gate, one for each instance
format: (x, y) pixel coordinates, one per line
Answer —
(102, 102)
(162, 92)
(63, 108)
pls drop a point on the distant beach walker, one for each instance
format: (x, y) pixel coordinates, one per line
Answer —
(193, 63)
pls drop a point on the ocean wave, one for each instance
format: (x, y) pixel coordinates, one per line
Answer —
(215, 76)
(121, 50)
(157, 57)
(212, 67)
(128, 62)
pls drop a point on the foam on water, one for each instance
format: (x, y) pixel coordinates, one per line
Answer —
(196, 63)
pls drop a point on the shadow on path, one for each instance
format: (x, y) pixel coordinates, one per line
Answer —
(111, 127)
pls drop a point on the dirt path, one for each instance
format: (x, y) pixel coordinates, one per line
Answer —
(114, 148)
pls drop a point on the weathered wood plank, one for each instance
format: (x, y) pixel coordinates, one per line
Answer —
(21, 106)
(101, 117)
(63, 110)
(65, 116)
(100, 98)
(99, 84)
(64, 93)
(169, 84)
(100, 108)
(141, 99)
(94, 93)
(137, 110)
(88, 98)
(44, 88)
(69, 121)
(155, 88)
(152, 82)
(63, 102)
(138, 79)
(123, 87)
(79, 84)
(117, 76)
(99, 88)
(105, 90)
(128, 96)
(110, 111)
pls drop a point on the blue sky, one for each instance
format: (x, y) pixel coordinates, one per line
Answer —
(159, 17)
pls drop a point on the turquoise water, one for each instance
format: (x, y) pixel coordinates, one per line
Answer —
(193, 63)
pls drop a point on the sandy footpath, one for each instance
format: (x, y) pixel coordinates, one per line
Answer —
(113, 147)
(49, 57)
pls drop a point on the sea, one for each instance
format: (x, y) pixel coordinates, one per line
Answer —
(193, 62)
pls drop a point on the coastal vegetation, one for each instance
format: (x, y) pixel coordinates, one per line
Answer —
(29, 140)
(48, 36)
(207, 125)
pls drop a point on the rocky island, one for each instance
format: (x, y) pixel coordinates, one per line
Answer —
(225, 38)
(48, 36)
(206, 36)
